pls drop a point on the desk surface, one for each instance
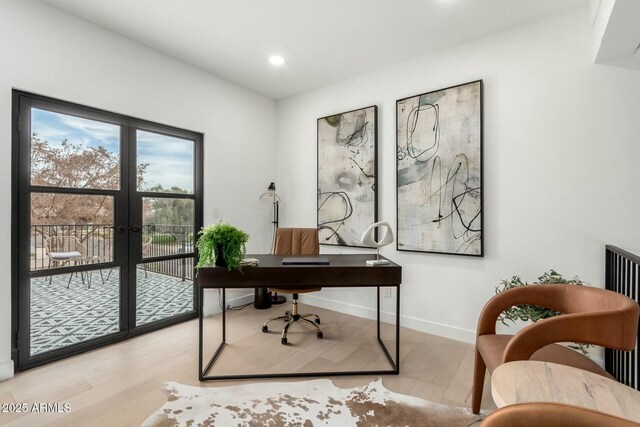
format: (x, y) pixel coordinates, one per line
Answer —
(533, 381)
(342, 271)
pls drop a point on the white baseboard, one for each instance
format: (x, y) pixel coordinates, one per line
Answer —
(421, 325)
(447, 331)
(212, 304)
(6, 370)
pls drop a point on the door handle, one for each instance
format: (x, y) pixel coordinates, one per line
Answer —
(135, 228)
(122, 228)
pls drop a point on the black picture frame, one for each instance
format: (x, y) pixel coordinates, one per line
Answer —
(429, 228)
(329, 228)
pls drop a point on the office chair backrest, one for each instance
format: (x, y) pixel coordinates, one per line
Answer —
(297, 241)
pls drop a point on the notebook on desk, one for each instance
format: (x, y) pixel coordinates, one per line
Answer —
(305, 261)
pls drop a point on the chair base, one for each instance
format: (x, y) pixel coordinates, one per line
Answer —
(278, 299)
(293, 317)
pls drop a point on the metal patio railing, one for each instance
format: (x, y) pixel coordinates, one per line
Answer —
(157, 240)
(622, 275)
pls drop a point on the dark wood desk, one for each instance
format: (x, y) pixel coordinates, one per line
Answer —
(343, 271)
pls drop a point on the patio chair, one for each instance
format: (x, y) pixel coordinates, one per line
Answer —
(101, 254)
(146, 249)
(62, 250)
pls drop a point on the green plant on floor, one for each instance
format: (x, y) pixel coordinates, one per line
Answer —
(221, 239)
(534, 313)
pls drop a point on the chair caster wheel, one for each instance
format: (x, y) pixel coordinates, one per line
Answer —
(319, 335)
(265, 329)
(283, 341)
(318, 320)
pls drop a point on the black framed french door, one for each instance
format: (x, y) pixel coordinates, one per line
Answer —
(105, 211)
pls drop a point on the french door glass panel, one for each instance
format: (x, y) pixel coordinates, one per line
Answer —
(166, 163)
(168, 225)
(164, 289)
(74, 152)
(68, 309)
(70, 229)
(74, 176)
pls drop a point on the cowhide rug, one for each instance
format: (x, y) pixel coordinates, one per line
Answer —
(304, 404)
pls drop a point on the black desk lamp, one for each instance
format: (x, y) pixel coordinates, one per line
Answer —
(271, 195)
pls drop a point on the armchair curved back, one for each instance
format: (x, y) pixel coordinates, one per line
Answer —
(590, 315)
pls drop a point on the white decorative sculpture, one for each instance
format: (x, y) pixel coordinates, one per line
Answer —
(369, 240)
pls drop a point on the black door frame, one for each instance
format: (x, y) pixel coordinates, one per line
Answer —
(127, 246)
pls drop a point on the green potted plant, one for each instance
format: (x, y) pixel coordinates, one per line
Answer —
(534, 313)
(221, 244)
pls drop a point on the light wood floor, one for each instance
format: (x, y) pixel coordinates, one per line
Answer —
(121, 385)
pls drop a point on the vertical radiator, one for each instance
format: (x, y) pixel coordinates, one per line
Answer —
(622, 275)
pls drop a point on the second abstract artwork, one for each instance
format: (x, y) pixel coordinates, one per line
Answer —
(439, 167)
(347, 176)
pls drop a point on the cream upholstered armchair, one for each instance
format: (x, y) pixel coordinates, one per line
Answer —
(295, 241)
(589, 315)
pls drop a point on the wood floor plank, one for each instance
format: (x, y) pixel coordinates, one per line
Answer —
(458, 389)
(7, 397)
(10, 418)
(5, 417)
(52, 392)
(122, 383)
(399, 383)
(135, 412)
(103, 405)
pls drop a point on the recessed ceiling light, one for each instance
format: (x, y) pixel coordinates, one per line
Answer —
(276, 60)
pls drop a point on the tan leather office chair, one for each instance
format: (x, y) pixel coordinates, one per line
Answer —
(552, 415)
(295, 241)
(589, 315)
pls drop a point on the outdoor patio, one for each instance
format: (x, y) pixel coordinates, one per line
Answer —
(61, 317)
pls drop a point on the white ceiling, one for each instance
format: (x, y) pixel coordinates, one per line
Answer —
(322, 41)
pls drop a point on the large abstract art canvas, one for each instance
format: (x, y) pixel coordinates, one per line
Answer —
(347, 176)
(439, 171)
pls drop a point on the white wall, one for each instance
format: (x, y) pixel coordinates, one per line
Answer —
(53, 53)
(561, 168)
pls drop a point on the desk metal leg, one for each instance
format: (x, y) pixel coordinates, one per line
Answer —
(200, 319)
(395, 364)
(397, 329)
(202, 373)
(378, 312)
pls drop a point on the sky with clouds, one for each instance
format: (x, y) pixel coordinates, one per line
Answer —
(170, 159)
